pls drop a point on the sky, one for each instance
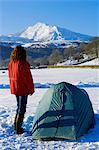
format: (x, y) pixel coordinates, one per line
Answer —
(76, 15)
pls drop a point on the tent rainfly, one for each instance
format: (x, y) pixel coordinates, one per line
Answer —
(65, 112)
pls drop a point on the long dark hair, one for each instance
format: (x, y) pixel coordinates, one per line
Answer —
(19, 53)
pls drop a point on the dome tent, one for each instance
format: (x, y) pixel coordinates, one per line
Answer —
(65, 112)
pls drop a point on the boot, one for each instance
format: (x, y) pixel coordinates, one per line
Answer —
(15, 122)
(19, 121)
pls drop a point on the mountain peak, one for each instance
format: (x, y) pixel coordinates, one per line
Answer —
(44, 32)
(40, 24)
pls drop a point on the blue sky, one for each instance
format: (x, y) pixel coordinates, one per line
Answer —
(76, 15)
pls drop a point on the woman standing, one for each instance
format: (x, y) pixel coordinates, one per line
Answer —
(21, 84)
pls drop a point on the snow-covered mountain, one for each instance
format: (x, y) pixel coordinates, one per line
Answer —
(13, 40)
(44, 32)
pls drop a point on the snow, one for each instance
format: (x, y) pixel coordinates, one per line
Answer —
(43, 79)
(67, 62)
(51, 44)
(44, 32)
(14, 39)
(92, 62)
(39, 32)
(46, 35)
(87, 63)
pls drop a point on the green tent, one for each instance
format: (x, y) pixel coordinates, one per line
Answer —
(65, 112)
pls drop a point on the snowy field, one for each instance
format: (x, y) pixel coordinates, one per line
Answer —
(87, 79)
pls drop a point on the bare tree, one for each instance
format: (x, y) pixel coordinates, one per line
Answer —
(69, 52)
(55, 57)
(93, 47)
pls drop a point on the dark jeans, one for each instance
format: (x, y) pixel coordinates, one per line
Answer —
(21, 104)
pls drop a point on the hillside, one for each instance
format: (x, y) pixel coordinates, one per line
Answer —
(44, 43)
(93, 62)
(44, 32)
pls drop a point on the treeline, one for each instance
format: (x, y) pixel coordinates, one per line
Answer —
(85, 51)
(5, 53)
(45, 57)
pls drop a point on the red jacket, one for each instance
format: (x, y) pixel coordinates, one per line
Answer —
(21, 82)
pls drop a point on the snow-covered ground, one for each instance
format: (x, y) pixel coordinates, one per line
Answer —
(92, 62)
(44, 78)
(87, 63)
